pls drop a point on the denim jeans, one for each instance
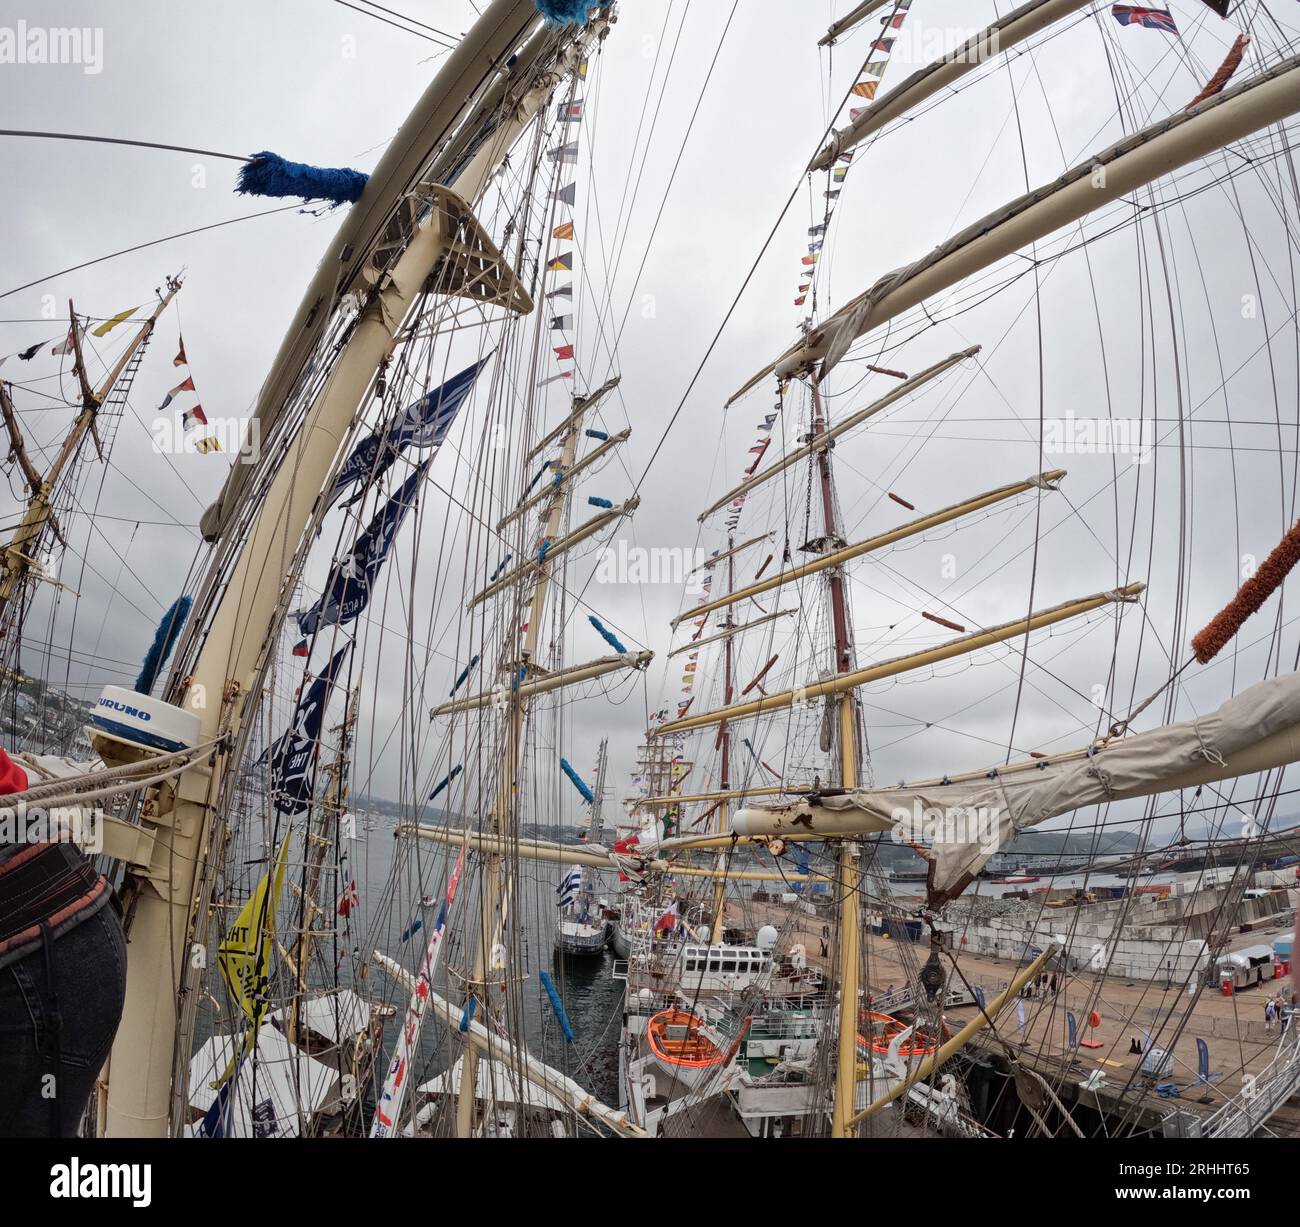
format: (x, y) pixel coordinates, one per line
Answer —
(48, 1071)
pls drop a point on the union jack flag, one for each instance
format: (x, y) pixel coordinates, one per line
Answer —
(1152, 19)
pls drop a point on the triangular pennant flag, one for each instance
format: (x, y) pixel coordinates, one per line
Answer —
(208, 444)
(186, 385)
(562, 263)
(30, 352)
(882, 44)
(563, 351)
(563, 231)
(875, 69)
(66, 346)
(108, 325)
(561, 291)
(855, 113)
(180, 359)
(866, 89)
(567, 195)
(194, 415)
(541, 383)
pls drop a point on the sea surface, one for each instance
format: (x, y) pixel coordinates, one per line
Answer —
(591, 998)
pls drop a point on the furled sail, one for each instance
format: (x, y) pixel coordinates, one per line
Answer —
(968, 819)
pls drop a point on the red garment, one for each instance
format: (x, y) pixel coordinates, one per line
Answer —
(12, 777)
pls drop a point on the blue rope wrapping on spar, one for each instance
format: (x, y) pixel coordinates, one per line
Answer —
(464, 673)
(564, 12)
(597, 434)
(587, 795)
(447, 779)
(411, 930)
(556, 1004)
(268, 174)
(164, 640)
(607, 635)
(596, 501)
(500, 567)
(550, 464)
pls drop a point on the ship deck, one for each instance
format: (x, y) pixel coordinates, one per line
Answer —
(1232, 1027)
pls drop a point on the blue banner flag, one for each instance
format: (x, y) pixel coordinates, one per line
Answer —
(422, 425)
(292, 755)
(352, 580)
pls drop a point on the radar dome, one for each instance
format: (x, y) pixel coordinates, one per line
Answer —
(767, 936)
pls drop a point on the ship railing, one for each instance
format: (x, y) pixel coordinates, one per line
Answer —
(1261, 1094)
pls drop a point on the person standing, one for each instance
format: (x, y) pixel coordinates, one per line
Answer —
(62, 977)
(1268, 1014)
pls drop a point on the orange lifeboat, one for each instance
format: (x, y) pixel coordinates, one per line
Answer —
(676, 1039)
(918, 1044)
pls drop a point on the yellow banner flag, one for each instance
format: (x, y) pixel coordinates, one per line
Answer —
(209, 443)
(108, 325)
(563, 231)
(245, 955)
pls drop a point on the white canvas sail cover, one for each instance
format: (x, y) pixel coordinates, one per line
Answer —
(968, 819)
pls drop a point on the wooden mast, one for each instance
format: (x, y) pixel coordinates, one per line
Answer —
(502, 815)
(724, 734)
(849, 919)
(17, 562)
(247, 605)
(321, 836)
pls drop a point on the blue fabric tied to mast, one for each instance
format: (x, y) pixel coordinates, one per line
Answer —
(556, 1004)
(447, 779)
(596, 501)
(268, 174)
(164, 640)
(607, 635)
(578, 782)
(564, 12)
(468, 1016)
(603, 436)
(464, 673)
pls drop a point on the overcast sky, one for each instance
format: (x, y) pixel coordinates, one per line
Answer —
(1150, 321)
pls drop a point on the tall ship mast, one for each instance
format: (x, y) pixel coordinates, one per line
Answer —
(995, 601)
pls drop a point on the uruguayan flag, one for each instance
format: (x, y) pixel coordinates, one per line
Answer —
(568, 887)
